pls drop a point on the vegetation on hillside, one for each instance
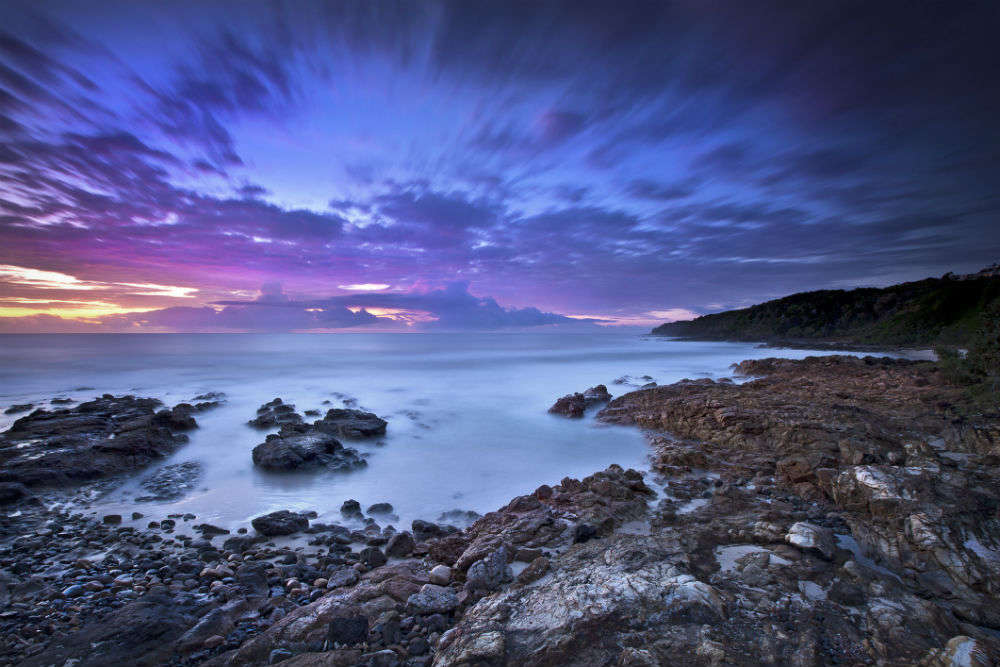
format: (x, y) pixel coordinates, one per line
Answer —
(947, 311)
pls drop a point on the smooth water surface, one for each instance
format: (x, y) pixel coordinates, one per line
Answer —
(468, 427)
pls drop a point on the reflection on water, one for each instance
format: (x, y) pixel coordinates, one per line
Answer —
(468, 427)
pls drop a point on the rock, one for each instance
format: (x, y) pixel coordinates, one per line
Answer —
(440, 575)
(282, 522)
(11, 492)
(583, 532)
(347, 630)
(278, 655)
(595, 596)
(351, 424)
(208, 529)
(432, 599)
(351, 509)
(424, 530)
(275, 413)
(487, 574)
(112, 519)
(380, 508)
(372, 557)
(20, 407)
(537, 569)
(107, 436)
(810, 537)
(142, 632)
(400, 545)
(299, 451)
(574, 405)
(347, 576)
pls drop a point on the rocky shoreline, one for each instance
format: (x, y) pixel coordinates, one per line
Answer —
(832, 510)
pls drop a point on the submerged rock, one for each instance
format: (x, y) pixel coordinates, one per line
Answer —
(172, 481)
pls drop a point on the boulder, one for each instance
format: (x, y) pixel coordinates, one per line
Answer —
(301, 451)
(282, 522)
(574, 405)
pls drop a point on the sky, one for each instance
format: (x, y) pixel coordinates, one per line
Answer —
(513, 166)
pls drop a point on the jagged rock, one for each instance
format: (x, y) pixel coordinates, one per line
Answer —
(400, 545)
(299, 451)
(574, 405)
(808, 536)
(346, 423)
(107, 436)
(275, 413)
(432, 599)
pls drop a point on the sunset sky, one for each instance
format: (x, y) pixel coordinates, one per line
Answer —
(206, 166)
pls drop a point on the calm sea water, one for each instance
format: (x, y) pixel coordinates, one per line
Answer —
(468, 427)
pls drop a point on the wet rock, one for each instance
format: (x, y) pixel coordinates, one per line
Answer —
(812, 538)
(112, 519)
(18, 408)
(351, 424)
(424, 530)
(282, 522)
(574, 405)
(351, 509)
(347, 576)
(107, 436)
(171, 482)
(275, 413)
(380, 509)
(302, 451)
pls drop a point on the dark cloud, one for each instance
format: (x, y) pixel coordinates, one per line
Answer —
(569, 154)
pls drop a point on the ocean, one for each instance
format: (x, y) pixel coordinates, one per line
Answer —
(468, 422)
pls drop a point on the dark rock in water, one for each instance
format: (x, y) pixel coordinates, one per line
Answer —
(305, 450)
(172, 481)
(275, 413)
(21, 407)
(351, 423)
(61, 401)
(380, 508)
(11, 492)
(282, 522)
(348, 630)
(351, 508)
(208, 529)
(112, 519)
(106, 436)
(312, 413)
(240, 543)
(203, 402)
(574, 405)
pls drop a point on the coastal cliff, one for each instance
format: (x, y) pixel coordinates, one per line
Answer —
(935, 311)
